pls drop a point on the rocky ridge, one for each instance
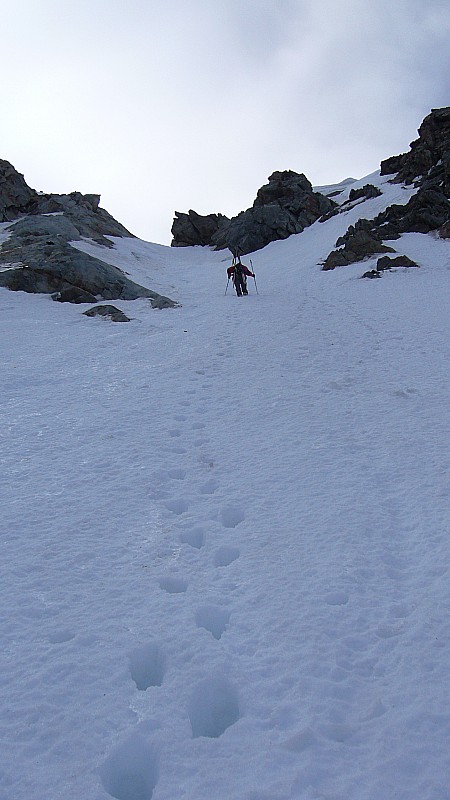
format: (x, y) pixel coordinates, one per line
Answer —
(37, 257)
(286, 205)
(427, 167)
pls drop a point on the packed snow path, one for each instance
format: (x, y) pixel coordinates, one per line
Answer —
(224, 567)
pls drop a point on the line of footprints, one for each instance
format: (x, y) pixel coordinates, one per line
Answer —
(131, 771)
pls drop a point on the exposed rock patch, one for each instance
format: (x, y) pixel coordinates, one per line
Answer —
(426, 211)
(193, 229)
(356, 196)
(359, 242)
(41, 260)
(113, 313)
(15, 194)
(387, 263)
(364, 192)
(38, 257)
(429, 157)
(286, 205)
(428, 167)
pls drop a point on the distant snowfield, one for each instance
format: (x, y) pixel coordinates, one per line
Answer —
(225, 553)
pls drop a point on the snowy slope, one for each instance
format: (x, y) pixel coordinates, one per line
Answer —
(224, 568)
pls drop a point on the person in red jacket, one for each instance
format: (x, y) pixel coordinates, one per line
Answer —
(239, 272)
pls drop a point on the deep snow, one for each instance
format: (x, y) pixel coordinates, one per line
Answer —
(224, 569)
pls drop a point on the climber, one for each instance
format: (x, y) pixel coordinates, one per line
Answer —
(239, 273)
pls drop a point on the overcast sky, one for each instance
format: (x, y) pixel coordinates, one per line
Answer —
(164, 105)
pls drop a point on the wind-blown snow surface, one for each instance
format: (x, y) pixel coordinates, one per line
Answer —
(224, 569)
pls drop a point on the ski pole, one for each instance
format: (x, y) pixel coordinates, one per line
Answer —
(227, 285)
(254, 277)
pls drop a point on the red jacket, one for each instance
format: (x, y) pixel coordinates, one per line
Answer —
(243, 269)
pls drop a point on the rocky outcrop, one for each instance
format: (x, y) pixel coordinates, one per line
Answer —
(83, 210)
(286, 205)
(193, 229)
(387, 263)
(253, 229)
(38, 257)
(428, 161)
(427, 166)
(15, 195)
(365, 192)
(17, 199)
(426, 211)
(111, 312)
(356, 196)
(359, 242)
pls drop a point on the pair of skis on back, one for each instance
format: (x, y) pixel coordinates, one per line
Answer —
(237, 260)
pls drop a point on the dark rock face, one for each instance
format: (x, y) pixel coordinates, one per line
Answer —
(387, 263)
(74, 294)
(284, 206)
(38, 256)
(390, 263)
(430, 153)
(428, 167)
(367, 191)
(194, 229)
(284, 188)
(17, 199)
(84, 212)
(113, 313)
(426, 211)
(43, 261)
(360, 241)
(253, 229)
(14, 192)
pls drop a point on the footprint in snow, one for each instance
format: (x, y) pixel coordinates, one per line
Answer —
(213, 618)
(337, 732)
(209, 487)
(131, 770)
(164, 475)
(147, 665)
(173, 585)
(232, 515)
(178, 450)
(177, 506)
(61, 636)
(195, 537)
(225, 555)
(336, 598)
(177, 474)
(214, 706)
(388, 631)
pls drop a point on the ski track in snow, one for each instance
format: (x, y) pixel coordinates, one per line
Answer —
(225, 563)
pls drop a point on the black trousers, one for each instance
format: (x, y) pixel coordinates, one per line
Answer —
(240, 282)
